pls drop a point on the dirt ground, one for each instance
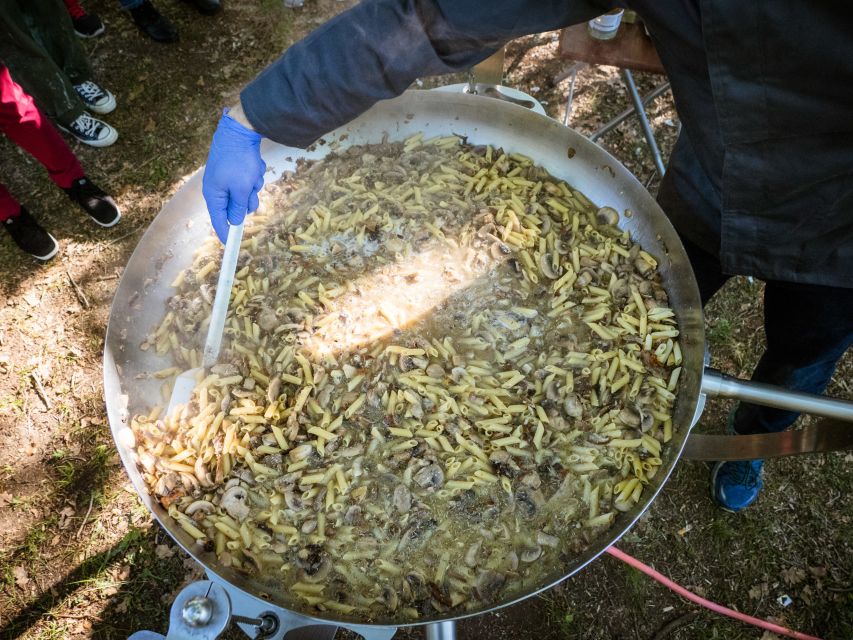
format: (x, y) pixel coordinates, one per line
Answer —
(80, 557)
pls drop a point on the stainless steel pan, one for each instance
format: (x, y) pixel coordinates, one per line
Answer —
(168, 243)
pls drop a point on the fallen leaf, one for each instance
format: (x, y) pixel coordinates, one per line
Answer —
(65, 517)
(759, 591)
(818, 572)
(164, 551)
(33, 297)
(794, 575)
(124, 572)
(5, 498)
(21, 577)
(121, 607)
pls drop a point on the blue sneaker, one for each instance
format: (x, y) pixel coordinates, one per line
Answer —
(735, 485)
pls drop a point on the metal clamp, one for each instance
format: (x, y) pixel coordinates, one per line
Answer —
(202, 611)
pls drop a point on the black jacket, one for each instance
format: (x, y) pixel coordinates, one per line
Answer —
(762, 174)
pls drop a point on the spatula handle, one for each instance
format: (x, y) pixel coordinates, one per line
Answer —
(223, 295)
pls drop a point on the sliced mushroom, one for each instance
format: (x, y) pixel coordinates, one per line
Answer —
(225, 370)
(631, 416)
(647, 421)
(300, 452)
(489, 585)
(547, 540)
(202, 474)
(487, 229)
(572, 406)
(309, 526)
(530, 554)
(166, 484)
(435, 371)
(472, 553)
(234, 503)
(503, 464)
(414, 587)
(546, 268)
(293, 501)
(274, 389)
(389, 599)
(315, 564)
(402, 499)
(203, 506)
(643, 267)
(457, 373)
(552, 391)
(584, 278)
(532, 480)
(430, 477)
(607, 216)
(352, 515)
(597, 438)
(499, 250)
(528, 502)
(623, 505)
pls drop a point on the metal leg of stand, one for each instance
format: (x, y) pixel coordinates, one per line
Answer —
(631, 87)
(569, 72)
(570, 97)
(627, 113)
(445, 630)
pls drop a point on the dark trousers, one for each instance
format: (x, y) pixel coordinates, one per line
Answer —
(38, 44)
(808, 327)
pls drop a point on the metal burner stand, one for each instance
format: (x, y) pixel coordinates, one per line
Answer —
(205, 609)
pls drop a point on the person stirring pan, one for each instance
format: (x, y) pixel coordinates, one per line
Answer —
(759, 183)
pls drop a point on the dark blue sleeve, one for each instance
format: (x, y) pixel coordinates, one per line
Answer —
(376, 50)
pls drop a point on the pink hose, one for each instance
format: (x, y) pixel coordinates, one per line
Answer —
(684, 593)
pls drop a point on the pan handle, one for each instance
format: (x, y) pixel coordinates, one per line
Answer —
(719, 384)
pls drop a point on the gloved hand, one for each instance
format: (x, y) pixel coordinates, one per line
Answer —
(233, 176)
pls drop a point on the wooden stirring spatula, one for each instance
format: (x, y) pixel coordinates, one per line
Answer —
(187, 381)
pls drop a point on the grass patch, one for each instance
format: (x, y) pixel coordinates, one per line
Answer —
(720, 333)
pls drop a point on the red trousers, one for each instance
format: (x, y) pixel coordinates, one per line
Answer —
(28, 127)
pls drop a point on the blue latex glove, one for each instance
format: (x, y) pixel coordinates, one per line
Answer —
(234, 174)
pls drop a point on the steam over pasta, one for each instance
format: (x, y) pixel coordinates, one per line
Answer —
(444, 371)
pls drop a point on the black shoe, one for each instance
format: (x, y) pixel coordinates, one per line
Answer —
(153, 24)
(206, 7)
(95, 202)
(30, 236)
(86, 25)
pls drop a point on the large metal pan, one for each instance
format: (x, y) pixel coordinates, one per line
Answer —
(168, 243)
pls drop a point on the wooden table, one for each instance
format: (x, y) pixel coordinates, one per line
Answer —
(631, 49)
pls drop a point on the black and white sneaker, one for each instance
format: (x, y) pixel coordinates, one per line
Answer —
(100, 207)
(91, 131)
(97, 98)
(30, 236)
